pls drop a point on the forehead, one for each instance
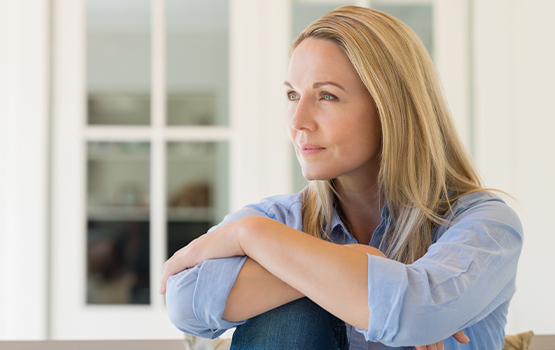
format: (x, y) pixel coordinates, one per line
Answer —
(317, 59)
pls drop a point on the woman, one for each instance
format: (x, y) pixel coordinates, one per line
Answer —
(389, 178)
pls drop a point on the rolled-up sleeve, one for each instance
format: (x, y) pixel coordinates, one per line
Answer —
(196, 298)
(465, 275)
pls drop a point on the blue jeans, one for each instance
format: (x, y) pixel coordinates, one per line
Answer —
(298, 325)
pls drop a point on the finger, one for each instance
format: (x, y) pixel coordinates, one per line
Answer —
(434, 346)
(162, 289)
(164, 278)
(164, 282)
(167, 272)
(461, 337)
(171, 267)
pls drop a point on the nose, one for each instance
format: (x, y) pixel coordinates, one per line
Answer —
(302, 117)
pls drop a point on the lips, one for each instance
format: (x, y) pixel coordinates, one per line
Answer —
(307, 149)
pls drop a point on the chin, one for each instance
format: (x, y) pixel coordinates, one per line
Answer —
(318, 176)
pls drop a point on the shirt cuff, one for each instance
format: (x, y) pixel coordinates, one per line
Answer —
(387, 284)
(215, 280)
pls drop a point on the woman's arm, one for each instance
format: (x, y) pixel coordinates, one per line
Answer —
(333, 276)
(465, 276)
(256, 291)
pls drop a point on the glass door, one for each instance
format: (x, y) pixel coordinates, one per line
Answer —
(142, 156)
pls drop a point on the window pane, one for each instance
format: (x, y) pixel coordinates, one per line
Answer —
(417, 16)
(197, 190)
(118, 223)
(118, 62)
(305, 13)
(197, 62)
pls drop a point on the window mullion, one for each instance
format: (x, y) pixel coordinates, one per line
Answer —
(158, 156)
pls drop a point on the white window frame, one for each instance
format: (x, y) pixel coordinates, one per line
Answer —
(255, 172)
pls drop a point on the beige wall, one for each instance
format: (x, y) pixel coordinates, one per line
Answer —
(514, 141)
(24, 127)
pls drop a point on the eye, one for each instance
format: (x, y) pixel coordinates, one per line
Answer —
(327, 96)
(292, 96)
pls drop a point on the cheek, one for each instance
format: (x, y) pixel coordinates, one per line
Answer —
(372, 140)
(363, 138)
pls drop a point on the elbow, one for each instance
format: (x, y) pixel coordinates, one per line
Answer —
(179, 304)
(427, 331)
(415, 323)
(424, 324)
(195, 302)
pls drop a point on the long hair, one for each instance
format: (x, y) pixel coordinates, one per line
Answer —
(424, 166)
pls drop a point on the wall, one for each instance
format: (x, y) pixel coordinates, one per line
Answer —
(514, 121)
(24, 63)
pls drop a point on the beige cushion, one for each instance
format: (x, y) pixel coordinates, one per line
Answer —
(519, 341)
(195, 343)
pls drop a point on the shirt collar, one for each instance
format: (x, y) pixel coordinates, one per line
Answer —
(339, 233)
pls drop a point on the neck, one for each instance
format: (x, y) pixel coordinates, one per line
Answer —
(361, 206)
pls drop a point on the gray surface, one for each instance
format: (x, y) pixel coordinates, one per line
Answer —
(539, 342)
(543, 342)
(94, 345)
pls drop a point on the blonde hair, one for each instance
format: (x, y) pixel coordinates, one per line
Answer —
(424, 166)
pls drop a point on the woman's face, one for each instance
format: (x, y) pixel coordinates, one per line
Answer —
(331, 118)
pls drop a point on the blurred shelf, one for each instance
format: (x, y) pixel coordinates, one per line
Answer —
(140, 151)
(118, 213)
(128, 213)
(129, 157)
(190, 214)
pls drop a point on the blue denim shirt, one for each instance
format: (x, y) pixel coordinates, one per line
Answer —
(465, 280)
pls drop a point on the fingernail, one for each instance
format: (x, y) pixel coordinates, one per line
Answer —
(466, 337)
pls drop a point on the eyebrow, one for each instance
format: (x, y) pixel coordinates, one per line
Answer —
(319, 84)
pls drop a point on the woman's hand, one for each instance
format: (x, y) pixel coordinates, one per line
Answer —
(220, 243)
